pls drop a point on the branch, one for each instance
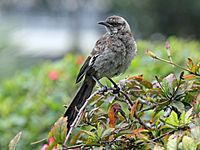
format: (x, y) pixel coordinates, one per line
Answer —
(78, 117)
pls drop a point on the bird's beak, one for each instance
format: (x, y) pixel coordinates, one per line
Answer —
(104, 23)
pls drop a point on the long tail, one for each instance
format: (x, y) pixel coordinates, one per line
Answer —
(80, 98)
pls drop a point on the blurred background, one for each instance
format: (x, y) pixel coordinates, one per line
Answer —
(44, 42)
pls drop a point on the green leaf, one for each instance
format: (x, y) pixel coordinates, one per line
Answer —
(188, 143)
(185, 118)
(169, 83)
(99, 130)
(59, 130)
(190, 63)
(91, 134)
(172, 119)
(91, 138)
(107, 132)
(166, 87)
(182, 118)
(179, 105)
(172, 143)
(13, 143)
(147, 84)
(75, 137)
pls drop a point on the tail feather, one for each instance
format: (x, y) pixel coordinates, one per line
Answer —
(80, 98)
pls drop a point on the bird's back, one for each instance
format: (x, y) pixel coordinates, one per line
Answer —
(115, 54)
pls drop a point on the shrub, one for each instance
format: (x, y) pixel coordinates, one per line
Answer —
(33, 99)
(163, 114)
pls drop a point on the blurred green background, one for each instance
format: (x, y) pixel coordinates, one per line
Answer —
(43, 44)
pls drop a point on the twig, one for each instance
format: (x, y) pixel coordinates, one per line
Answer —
(78, 117)
(76, 146)
(167, 61)
(135, 114)
(159, 83)
(146, 126)
(148, 108)
(159, 137)
(36, 142)
(128, 100)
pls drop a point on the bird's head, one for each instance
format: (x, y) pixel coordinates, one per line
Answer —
(115, 24)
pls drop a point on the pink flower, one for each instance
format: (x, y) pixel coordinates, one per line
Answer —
(45, 147)
(55, 147)
(53, 75)
(51, 140)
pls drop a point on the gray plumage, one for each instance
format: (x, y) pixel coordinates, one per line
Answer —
(111, 56)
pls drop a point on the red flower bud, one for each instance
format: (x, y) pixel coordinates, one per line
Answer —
(53, 75)
(167, 45)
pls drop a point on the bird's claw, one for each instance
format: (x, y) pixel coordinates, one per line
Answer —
(103, 89)
(116, 90)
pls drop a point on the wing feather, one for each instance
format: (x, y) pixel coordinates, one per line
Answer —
(83, 70)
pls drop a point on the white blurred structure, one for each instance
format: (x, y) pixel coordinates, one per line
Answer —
(51, 40)
(68, 25)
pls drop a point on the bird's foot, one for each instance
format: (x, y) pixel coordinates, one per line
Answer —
(116, 90)
(103, 89)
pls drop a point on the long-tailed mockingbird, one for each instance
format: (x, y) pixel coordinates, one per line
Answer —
(111, 56)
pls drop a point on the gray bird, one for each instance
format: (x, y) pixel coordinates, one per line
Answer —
(111, 56)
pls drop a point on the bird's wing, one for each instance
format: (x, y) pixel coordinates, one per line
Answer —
(98, 49)
(87, 67)
(100, 45)
(83, 69)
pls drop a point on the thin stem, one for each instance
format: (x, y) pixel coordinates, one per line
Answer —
(75, 146)
(159, 137)
(177, 88)
(167, 61)
(38, 141)
(130, 104)
(141, 122)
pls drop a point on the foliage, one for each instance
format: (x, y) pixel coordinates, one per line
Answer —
(33, 99)
(144, 114)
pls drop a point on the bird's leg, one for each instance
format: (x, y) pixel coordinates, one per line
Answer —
(116, 87)
(103, 87)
